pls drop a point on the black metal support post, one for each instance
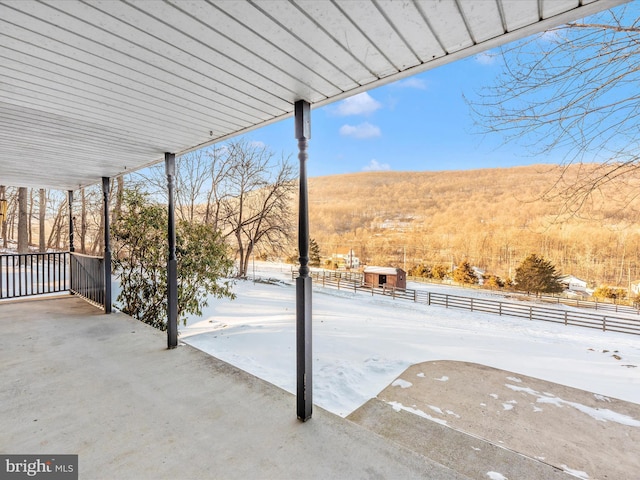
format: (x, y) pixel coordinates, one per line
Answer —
(71, 247)
(172, 264)
(303, 282)
(107, 246)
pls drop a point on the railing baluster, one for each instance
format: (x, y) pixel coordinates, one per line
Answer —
(87, 277)
(19, 275)
(27, 274)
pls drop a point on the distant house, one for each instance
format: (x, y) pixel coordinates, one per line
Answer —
(347, 260)
(479, 274)
(635, 287)
(573, 284)
(385, 276)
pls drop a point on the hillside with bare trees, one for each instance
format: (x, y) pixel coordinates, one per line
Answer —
(490, 218)
(493, 218)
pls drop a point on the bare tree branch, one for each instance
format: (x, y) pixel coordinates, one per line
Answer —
(574, 92)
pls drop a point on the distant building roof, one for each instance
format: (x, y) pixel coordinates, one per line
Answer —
(383, 270)
(571, 279)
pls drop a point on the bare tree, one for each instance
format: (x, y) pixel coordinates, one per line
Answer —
(8, 227)
(58, 205)
(3, 219)
(42, 213)
(23, 228)
(117, 209)
(30, 215)
(573, 91)
(192, 173)
(220, 169)
(258, 206)
(83, 221)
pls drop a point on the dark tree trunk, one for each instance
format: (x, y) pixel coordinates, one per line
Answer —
(23, 228)
(42, 210)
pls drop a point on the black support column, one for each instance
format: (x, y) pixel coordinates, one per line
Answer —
(107, 245)
(304, 388)
(71, 247)
(172, 264)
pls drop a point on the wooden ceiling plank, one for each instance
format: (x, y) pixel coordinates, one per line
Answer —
(10, 59)
(33, 44)
(518, 14)
(381, 35)
(296, 74)
(104, 50)
(483, 19)
(408, 20)
(447, 23)
(296, 34)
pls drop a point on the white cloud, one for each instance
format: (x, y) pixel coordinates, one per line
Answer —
(375, 166)
(364, 130)
(486, 58)
(258, 144)
(361, 104)
(413, 82)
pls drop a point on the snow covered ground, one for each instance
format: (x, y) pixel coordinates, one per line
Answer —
(362, 343)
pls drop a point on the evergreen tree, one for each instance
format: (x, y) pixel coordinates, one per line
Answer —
(314, 253)
(439, 272)
(493, 281)
(464, 274)
(537, 275)
(420, 270)
(140, 262)
(612, 293)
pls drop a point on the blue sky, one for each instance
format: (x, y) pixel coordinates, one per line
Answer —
(420, 123)
(423, 123)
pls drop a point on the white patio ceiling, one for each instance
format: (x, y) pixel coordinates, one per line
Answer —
(96, 88)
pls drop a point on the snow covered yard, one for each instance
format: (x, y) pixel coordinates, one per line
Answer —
(361, 343)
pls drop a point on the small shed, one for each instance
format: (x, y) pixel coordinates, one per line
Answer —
(385, 276)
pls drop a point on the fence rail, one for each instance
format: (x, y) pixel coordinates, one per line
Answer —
(600, 321)
(602, 304)
(534, 312)
(87, 277)
(605, 306)
(26, 274)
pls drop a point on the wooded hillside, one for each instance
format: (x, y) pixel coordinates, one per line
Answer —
(493, 218)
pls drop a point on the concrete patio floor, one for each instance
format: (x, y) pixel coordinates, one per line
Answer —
(76, 381)
(104, 387)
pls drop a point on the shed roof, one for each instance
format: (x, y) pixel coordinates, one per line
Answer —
(383, 270)
(98, 88)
